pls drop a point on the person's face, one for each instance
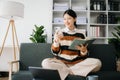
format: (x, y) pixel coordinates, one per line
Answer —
(69, 21)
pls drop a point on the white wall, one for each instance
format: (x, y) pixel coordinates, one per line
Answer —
(35, 12)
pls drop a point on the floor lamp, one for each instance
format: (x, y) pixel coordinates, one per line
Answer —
(11, 10)
(14, 38)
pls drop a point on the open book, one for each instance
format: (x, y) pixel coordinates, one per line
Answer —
(77, 42)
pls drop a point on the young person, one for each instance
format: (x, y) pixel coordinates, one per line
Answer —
(68, 61)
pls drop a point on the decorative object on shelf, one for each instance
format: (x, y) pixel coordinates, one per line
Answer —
(102, 18)
(112, 18)
(97, 5)
(11, 10)
(38, 35)
(113, 5)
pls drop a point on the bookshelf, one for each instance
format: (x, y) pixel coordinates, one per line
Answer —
(96, 17)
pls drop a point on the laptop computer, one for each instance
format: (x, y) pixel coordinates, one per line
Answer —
(40, 73)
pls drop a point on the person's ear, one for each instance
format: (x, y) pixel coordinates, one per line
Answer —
(75, 19)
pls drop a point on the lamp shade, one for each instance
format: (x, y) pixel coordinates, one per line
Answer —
(11, 9)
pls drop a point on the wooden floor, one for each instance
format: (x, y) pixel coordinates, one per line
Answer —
(3, 78)
(3, 75)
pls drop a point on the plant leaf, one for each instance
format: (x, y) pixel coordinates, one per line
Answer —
(37, 34)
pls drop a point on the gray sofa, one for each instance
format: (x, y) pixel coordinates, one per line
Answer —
(31, 54)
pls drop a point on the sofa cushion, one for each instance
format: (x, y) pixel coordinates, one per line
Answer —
(106, 53)
(37, 52)
(22, 75)
(108, 75)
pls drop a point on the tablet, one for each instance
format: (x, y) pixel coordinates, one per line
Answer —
(40, 73)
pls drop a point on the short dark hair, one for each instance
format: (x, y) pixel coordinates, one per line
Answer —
(72, 13)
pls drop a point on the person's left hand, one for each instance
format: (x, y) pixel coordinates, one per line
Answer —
(82, 48)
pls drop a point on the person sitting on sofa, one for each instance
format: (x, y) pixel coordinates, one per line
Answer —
(68, 61)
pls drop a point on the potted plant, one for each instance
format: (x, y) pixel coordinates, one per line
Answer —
(116, 42)
(118, 19)
(38, 35)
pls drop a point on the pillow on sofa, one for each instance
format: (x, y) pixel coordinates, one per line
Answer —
(106, 53)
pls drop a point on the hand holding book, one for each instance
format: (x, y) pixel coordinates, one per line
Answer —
(82, 48)
(77, 42)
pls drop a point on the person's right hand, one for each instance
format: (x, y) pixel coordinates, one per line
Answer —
(58, 35)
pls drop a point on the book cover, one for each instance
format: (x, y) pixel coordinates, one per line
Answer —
(77, 42)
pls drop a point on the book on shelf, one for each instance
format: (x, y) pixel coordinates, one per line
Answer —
(61, 6)
(79, 8)
(77, 42)
(94, 31)
(81, 20)
(58, 20)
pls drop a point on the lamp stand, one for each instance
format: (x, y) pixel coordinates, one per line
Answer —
(14, 38)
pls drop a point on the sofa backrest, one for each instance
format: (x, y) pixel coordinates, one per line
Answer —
(32, 54)
(106, 53)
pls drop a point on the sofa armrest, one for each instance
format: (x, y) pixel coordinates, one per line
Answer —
(14, 61)
(11, 68)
